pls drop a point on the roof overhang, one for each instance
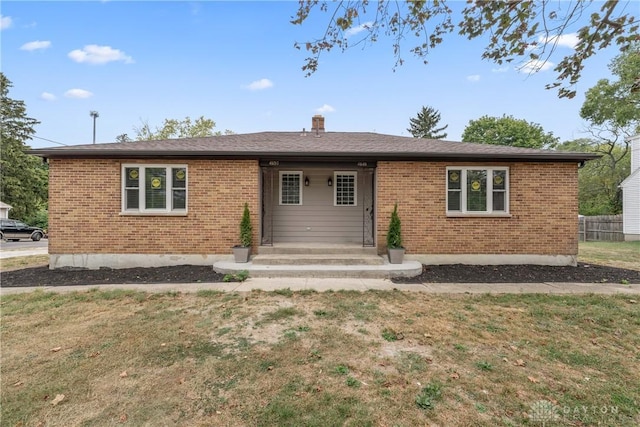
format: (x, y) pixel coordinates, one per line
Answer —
(558, 156)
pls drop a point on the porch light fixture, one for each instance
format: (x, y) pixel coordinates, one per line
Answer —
(306, 181)
(330, 182)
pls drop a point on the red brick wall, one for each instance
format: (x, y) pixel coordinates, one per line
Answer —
(85, 205)
(543, 206)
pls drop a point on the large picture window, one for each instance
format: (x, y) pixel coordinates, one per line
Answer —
(154, 188)
(290, 188)
(477, 190)
(345, 189)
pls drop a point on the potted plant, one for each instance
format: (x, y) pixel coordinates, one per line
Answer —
(394, 238)
(242, 252)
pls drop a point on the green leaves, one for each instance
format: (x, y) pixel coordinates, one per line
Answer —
(514, 30)
(507, 130)
(425, 124)
(24, 177)
(172, 128)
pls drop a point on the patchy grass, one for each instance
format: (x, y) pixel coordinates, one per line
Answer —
(303, 359)
(17, 263)
(613, 254)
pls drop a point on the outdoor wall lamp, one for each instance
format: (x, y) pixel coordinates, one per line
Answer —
(306, 181)
(330, 182)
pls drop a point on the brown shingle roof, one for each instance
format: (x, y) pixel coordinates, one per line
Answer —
(298, 145)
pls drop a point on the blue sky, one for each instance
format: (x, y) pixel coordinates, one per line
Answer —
(234, 62)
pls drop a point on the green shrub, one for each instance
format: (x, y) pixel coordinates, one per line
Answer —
(246, 230)
(394, 235)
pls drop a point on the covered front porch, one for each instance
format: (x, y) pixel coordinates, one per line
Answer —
(324, 203)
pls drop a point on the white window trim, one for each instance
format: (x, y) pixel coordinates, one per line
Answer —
(299, 173)
(142, 188)
(463, 190)
(335, 187)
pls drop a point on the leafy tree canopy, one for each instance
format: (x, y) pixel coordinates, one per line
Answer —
(24, 176)
(527, 29)
(507, 130)
(599, 180)
(617, 103)
(612, 109)
(425, 124)
(173, 128)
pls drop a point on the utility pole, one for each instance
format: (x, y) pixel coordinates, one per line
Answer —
(95, 115)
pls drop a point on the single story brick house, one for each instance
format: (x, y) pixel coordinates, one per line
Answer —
(171, 202)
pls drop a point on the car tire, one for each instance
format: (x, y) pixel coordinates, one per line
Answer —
(36, 237)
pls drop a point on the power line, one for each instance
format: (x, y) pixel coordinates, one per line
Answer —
(50, 140)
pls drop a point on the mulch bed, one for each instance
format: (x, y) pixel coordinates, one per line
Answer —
(583, 273)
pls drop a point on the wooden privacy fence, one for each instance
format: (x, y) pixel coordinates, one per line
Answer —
(603, 228)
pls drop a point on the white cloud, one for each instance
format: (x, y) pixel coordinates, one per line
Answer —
(564, 40)
(535, 65)
(500, 70)
(260, 84)
(326, 108)
(5, 22)
(47, 96)
(78, 93)
(474, 78)
(94, 54)
(360, 28)
(35, 45)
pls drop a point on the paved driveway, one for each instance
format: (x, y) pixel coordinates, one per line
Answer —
(23, 248)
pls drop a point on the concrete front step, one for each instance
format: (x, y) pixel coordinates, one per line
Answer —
(316, 259)
(316, 249)
(386, 270)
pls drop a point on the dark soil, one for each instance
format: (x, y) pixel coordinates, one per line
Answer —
(42, 276)
(583, 273)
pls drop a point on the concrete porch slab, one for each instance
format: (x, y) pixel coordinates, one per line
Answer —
(385, 270)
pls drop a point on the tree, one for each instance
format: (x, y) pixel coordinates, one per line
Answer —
(123, 137)
(24, 176)
(424, 125)
(612, 109)
(173, 128)
(528, 29)
(599, 191)
(507, 130)
(617, 103)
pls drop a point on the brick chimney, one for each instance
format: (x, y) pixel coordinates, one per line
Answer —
(317, 124)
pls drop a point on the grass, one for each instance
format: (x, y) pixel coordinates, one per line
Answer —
(17, 263)
(613, 254)
(271, 359)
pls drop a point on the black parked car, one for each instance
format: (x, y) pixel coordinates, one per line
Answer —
(13, 230)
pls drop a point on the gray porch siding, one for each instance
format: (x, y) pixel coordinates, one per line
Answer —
(317, 220)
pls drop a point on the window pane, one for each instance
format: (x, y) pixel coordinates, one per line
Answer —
(179, 177)
(477, 190)
(453, 201)
(499, 180)
(155, 188)
(453, 179)
(132, 198)
(132, 177)
(290, 189)
(345, 190)
(179, 199)
(498, 200)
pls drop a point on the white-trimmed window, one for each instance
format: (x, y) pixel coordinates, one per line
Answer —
(345, 192)
(290, 187)
(476, 190)
(154, 188)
